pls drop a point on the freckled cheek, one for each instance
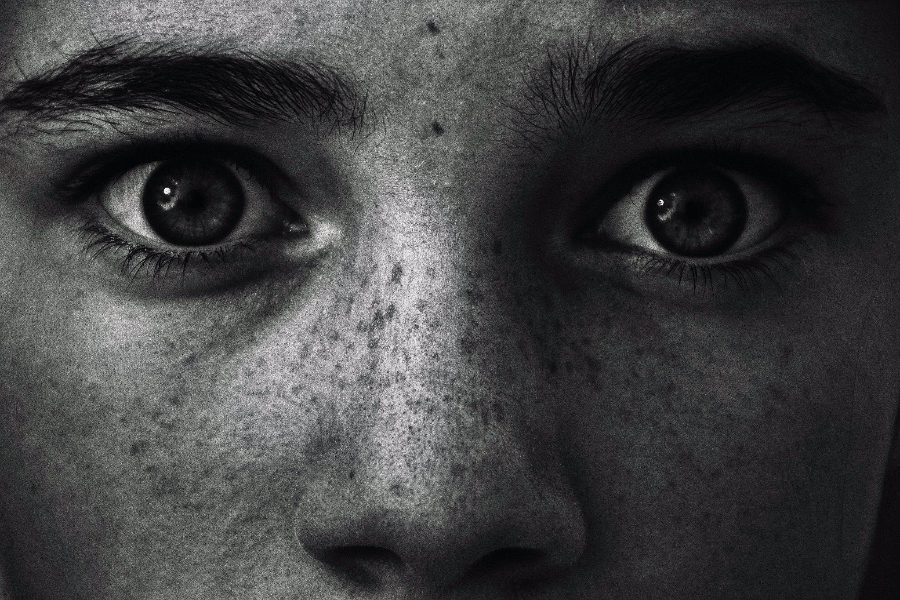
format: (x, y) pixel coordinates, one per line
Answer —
(100, 427)
(675, 433)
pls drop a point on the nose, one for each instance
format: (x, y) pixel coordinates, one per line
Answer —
(449, 478)
(477, 519)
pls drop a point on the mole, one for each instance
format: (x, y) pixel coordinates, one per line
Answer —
(437, 128)
(433, 29)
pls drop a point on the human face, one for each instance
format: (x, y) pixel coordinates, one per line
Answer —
(457, 363)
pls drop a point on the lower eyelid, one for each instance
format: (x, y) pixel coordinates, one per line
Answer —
(747, 274)
(741, 278)
(147, 271)
(135, 269)
(770, 269)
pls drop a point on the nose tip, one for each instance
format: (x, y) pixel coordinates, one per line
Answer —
(430, 549)
(375, 568)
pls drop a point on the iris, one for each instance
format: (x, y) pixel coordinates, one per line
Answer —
(698, 212)
(193, 202)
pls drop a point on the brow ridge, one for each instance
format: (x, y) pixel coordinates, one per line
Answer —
(237, 87)
(651, 85)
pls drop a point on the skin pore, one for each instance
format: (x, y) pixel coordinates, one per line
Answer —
(449, 378)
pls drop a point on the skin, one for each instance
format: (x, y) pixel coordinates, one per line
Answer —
(449, 378)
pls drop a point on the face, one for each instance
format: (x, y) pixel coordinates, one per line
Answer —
(446, 300)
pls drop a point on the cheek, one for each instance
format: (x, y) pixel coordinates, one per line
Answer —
(730, 441)
(115, 436)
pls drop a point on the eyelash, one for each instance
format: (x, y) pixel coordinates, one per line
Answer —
(747, 274)
(134, 258)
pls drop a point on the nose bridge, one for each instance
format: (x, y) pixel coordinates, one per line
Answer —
(432, 323)
(440, 350)
(437, 306)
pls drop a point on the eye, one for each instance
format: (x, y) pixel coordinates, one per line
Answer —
(185, 217)
(193, 202)
(704, 217)
(697, 212)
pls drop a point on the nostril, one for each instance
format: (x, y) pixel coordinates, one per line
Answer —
(511, 564)
(364, 566)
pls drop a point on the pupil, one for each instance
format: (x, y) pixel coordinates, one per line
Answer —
(694, 212)
(698, 212)
(193, 202)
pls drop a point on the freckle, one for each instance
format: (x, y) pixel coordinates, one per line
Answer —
(433, 29)
(166, 486)
(437, 128)
(467, 346)
(499, 413)
(396, 273)
(787, 351)
(137, 448)
(176, 401)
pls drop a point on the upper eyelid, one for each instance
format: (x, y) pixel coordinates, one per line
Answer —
(89, 175)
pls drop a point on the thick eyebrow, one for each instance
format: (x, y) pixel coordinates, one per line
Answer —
(237, 88)
(652, 85)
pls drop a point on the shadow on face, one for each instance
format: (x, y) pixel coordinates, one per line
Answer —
(441, 300)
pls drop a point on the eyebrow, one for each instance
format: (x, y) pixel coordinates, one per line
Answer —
(239, 88)
(657, 85)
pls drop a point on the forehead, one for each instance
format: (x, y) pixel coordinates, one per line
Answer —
(444, 60)
(362, 31)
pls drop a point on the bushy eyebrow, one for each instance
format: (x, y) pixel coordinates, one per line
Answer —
(650, 84)
(238, 88)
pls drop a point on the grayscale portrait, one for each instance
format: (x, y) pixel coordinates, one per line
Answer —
(446, 300)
